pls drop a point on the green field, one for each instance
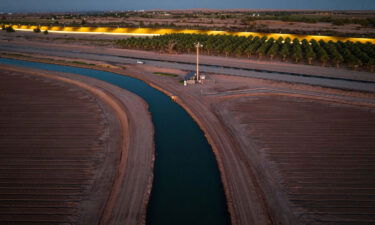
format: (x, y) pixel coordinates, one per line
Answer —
(166, 74)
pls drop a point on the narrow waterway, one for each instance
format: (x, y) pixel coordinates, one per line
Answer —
(187, 189)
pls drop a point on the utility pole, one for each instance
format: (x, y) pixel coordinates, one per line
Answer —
(198, 45)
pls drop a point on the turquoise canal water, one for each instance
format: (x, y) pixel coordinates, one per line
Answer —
(187, 189)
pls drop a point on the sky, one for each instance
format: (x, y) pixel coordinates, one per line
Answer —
(104, 5)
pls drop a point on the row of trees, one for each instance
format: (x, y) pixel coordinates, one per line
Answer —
(38, 30)
(355, 55)
(8, 29)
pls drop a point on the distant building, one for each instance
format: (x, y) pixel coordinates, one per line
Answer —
(189, 78)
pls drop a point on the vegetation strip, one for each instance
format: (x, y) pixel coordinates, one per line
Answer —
(166, 74)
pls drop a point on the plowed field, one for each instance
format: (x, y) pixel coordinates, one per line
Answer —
(52, 147)
(315, 160)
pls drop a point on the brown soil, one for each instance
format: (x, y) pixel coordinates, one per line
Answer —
(315, 160)
(67, 150)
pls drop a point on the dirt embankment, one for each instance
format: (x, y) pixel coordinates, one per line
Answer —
(109, 185)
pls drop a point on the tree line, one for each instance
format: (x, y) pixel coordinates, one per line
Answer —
(354, 55)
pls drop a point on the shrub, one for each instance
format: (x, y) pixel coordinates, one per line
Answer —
(45, 32)
(338, 22)
(37, 30)
(10, 29)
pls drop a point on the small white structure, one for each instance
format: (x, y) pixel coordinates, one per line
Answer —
(190, 78)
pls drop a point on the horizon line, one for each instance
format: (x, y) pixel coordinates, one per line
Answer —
(188, 9)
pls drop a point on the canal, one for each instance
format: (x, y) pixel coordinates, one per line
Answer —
(186, 189)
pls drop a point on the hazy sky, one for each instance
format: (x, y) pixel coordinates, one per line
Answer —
(87, 5)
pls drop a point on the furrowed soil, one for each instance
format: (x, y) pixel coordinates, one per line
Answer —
(65, 150)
